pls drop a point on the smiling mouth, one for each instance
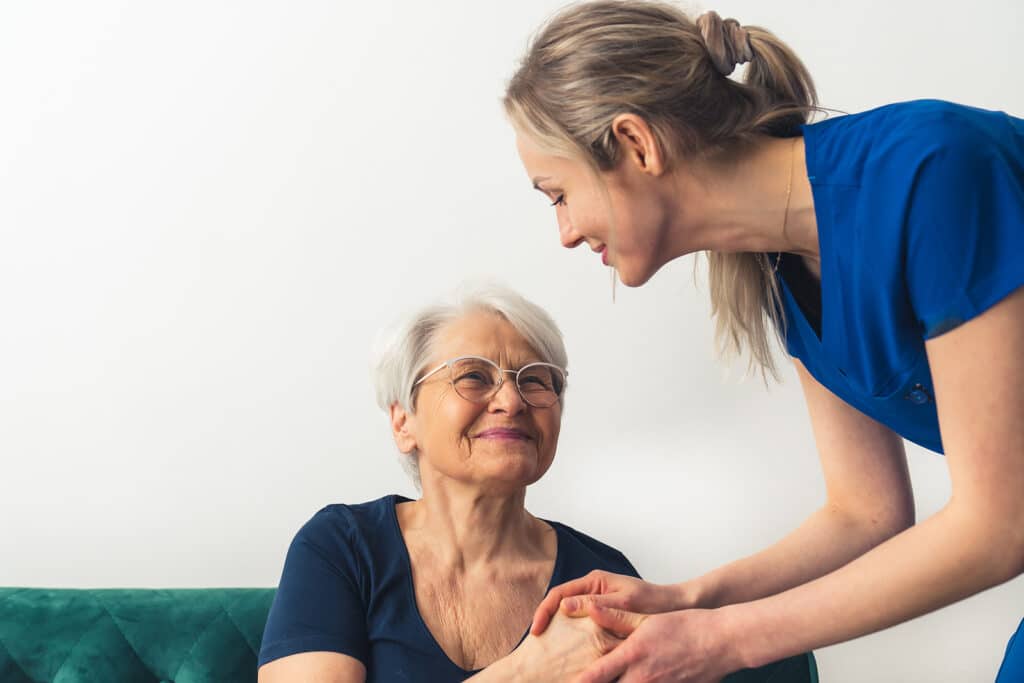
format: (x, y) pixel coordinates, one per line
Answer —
(504, 435)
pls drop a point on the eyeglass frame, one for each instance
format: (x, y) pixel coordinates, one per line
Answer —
(501, 379)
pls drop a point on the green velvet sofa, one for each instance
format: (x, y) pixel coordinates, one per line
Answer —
(209, 635)
(135, 635)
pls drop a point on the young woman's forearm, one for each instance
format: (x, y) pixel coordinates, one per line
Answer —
(827, 540)
(953, 555)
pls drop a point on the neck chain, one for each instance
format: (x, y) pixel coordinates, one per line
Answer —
(763, 258)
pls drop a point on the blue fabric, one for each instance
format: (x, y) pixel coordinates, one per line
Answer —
(1012, 669)
(920, 211)
(347, 587)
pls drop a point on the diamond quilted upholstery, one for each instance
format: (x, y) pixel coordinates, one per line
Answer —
(206, 635)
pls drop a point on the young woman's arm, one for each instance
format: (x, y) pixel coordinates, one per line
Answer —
(975, 542)
(868, 500)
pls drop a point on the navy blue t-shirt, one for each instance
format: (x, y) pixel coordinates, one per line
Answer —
(347, 587)
(920, 210)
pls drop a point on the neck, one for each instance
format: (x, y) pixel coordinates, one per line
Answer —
(468, 528)
(739, 203)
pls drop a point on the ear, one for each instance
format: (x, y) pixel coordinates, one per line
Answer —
(638, 144)
(401, 429)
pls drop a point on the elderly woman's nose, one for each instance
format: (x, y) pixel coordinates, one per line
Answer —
(508, 398)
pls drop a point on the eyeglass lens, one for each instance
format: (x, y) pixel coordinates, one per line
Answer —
(476, 379)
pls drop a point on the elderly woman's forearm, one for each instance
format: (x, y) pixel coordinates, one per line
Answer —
(505, 669)
(827, 540)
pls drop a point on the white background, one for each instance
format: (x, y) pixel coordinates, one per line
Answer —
(208, 209)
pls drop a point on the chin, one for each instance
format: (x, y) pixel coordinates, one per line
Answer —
(514, 472)
(634, 279)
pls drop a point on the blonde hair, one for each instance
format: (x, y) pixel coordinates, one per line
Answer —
(596, 60)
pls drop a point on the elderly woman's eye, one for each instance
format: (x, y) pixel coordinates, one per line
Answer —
(536, 381)
(474, 377)
(539, 380)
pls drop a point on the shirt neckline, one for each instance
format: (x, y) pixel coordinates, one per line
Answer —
(828, 277)
(556, 570)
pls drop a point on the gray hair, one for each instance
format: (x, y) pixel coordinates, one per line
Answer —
(403, 350)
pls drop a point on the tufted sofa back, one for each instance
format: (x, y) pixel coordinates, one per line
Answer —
(207, 635)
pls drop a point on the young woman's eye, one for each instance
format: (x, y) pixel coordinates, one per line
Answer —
(559, 201)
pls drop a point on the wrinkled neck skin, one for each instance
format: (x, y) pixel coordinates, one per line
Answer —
(736, 202)
(466, 528)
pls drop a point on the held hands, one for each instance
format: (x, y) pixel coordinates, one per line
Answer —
(605, 589)
(566, 648)
(687, 646)
(665, 640)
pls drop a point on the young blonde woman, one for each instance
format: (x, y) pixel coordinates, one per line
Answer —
(885, 249)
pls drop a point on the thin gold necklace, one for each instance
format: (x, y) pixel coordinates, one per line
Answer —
(789, 186)
(785, 214)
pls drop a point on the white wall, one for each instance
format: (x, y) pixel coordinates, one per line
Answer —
(208, 209)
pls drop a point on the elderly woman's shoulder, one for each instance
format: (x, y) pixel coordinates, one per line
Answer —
(582, 553)
(347, 527)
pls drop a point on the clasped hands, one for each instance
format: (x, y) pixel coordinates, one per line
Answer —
(605, 627)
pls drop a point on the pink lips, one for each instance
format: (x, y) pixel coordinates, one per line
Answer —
(503, 434)
(604, 255)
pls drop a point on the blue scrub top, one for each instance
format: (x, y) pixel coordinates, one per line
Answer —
(920, 213)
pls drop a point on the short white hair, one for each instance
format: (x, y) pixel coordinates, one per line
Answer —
(403, 350)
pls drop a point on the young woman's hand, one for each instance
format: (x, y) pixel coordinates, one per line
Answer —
(605, 589)
(686, 646)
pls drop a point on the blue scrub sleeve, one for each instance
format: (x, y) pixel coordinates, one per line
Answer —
(318, 605)
(965, 227)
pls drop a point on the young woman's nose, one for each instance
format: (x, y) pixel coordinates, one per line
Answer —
(567, 234)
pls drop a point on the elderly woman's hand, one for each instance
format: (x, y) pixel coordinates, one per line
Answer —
(565, 649)
(605, 589)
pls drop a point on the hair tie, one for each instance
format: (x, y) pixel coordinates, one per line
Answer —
(727, 42)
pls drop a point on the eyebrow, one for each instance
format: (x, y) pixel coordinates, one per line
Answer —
(538, 180)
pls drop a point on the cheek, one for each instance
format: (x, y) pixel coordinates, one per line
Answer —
(450, 419)
(630, 223)
(549, 428)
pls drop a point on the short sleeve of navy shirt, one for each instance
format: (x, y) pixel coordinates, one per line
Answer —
(347, 587)
(920, 211)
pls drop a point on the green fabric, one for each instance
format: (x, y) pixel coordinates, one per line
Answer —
(137, 635)
(208, 635)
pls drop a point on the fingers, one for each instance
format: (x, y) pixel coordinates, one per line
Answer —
(606, 669)
(549, 605)
(545, 610)
(617, 621)
(579, 605)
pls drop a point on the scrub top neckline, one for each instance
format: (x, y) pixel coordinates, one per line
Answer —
(828, 341)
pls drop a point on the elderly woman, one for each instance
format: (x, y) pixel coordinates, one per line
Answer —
(443, 588)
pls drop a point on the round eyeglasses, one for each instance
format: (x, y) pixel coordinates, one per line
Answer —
(478, 379)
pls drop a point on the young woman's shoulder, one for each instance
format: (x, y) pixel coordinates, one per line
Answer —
(891, 142)
(928, 125)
